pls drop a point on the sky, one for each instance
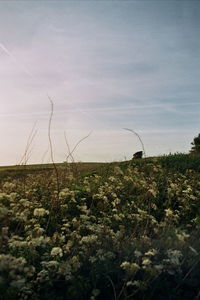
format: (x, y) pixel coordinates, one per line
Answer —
(106, 65)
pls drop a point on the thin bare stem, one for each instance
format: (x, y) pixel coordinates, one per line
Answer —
(113, 287)
(51, 147)
(81, 140)
(122, 290)
(44, 155)
(68, 147)
(28, 144)
(188, 273)
(138, 138)
(28, 155)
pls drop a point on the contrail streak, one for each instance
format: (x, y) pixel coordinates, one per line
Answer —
(19, 64)
(27, 72)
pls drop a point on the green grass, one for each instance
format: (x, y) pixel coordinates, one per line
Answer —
(20, 170)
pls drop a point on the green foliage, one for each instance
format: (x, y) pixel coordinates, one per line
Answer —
(196, 145)
(180, 162)
(127, 231)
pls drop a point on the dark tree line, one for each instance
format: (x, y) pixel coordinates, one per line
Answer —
(196, 145)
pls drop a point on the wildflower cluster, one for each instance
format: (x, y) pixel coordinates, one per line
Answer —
(131, 233)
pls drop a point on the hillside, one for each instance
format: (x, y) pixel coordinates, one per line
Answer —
(124, 230)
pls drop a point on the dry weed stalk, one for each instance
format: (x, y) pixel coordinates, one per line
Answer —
(28, 151)
(74, 167)
(80, 141)
(44, 155)
(131, 130)
(68, 148)
(70, 153)
(51, 147)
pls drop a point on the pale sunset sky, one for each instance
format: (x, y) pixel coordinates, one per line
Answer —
(106, 65)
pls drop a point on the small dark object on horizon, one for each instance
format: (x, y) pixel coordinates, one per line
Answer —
(138, 154)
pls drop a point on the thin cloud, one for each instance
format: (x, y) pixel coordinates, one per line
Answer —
(15, 60)
(132, 64)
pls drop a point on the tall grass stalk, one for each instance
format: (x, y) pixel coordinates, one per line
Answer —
(78, 143)
(27, 151)
(131, 130)
(51, 147)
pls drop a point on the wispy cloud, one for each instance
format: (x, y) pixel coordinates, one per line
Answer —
(106, 66)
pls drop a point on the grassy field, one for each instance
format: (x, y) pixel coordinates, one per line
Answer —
(177, 163)
(124, 230)
(20, 170)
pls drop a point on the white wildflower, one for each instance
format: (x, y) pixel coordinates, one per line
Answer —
(182, 236)
(146, 261)
(125, 265)
(151, 252)
(174, 256)
(169, 213)
(57, 251)
(89, 239)
(130, 267)
(40, 212)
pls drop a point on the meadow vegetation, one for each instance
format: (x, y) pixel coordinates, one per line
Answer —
(126, 230)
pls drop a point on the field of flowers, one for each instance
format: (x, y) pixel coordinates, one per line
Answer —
(130, 231)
